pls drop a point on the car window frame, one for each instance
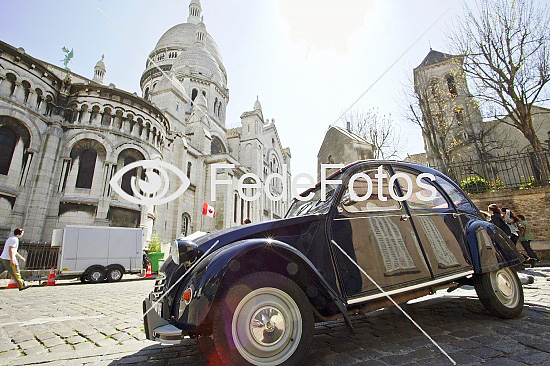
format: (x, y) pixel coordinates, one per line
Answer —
(360, 168)
(441, 191)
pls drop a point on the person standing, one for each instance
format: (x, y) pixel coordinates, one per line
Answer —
(512, 221)
(525, 238)
(9, 256)
(497, 220)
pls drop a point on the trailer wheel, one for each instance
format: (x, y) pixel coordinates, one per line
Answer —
(96, 274)
(83, 279)
(114, 274)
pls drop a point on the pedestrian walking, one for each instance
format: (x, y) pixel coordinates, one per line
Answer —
(497, 220)
(8, 259)
(512, 221)
(525, 238)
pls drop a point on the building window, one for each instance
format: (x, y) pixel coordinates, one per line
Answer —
(216, 146)
(459, 114)
(235, 203)
(86, 169)
(451, 85)
(146, 95)
(189, 165)
(185, 224)
(194, 94)
(8, 140)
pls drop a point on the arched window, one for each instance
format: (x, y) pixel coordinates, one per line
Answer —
(126, 183)
(11, 80)
(86, 169)
(194, 94)
(451, 85)
(185, 224)
(216, 146)
(27, 89)
(189, 165)
(8, 140)
(146, 95)
(38, 97)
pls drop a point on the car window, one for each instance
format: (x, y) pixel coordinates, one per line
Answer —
(458, 198)
(315, 204)
(414, 201)
(361, 186)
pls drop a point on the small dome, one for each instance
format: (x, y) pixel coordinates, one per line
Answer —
(257, 105)
(101, 64)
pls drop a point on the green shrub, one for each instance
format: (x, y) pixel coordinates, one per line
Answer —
(475, 185)
(154, 243)
(529, 184)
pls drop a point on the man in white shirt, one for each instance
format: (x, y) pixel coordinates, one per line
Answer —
(8, 259)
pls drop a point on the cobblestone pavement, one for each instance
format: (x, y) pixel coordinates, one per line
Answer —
(100, 325)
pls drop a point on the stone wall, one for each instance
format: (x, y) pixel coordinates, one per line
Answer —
(532, 203)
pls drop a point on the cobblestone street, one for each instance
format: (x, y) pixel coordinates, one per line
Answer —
(100, 325)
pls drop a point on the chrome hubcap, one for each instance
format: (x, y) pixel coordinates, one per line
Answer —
(115, 275)
(267, 326)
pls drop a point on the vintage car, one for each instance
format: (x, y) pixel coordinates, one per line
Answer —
(253, 293)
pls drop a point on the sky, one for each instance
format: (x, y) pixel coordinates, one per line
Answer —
(306, 60)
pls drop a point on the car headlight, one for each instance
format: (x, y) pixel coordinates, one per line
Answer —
(184, 252)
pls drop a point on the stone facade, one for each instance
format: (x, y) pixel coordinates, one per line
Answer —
(341, 146)
(64, 137)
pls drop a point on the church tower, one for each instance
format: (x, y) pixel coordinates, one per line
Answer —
(440, 84)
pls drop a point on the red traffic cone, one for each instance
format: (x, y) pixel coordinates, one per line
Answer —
(12, 283)
(148, 273)
(51, 278)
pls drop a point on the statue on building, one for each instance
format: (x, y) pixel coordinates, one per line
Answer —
(68, 56)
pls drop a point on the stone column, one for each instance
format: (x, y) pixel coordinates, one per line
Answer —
(43, 186)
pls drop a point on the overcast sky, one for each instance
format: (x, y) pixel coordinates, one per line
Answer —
(307, 60)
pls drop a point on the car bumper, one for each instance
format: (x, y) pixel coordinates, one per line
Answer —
(159, 329)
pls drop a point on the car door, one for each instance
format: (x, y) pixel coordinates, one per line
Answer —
(377, 234)
(436, 221)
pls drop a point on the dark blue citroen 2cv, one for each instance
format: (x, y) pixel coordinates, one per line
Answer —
(252, 293)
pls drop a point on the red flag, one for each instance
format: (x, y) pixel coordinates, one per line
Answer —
(208, 210)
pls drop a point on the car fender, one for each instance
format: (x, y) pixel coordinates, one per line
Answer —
(211, 277)
(489, 247)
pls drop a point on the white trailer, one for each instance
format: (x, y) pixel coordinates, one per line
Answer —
(98, 253)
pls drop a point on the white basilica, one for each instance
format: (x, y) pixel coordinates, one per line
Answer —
(63, 137)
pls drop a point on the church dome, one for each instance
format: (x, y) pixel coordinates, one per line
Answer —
(182, 36)
(198, 61)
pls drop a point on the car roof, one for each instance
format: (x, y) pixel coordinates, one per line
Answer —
(421, 168)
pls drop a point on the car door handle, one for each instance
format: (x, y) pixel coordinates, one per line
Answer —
(405, 217)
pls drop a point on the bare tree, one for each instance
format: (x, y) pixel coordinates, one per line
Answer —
(378, 130)
(506, 45)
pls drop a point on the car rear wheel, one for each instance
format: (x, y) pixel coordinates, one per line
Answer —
(263, 319)
(500, 292)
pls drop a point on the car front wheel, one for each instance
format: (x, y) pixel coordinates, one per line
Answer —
(500, 292)
(263, 319)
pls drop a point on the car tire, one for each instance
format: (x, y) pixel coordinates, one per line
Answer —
(96, 274)
(114, 274)
(500, 292)
(263, 319)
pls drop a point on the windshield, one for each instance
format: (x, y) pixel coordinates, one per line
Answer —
(315, 204)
